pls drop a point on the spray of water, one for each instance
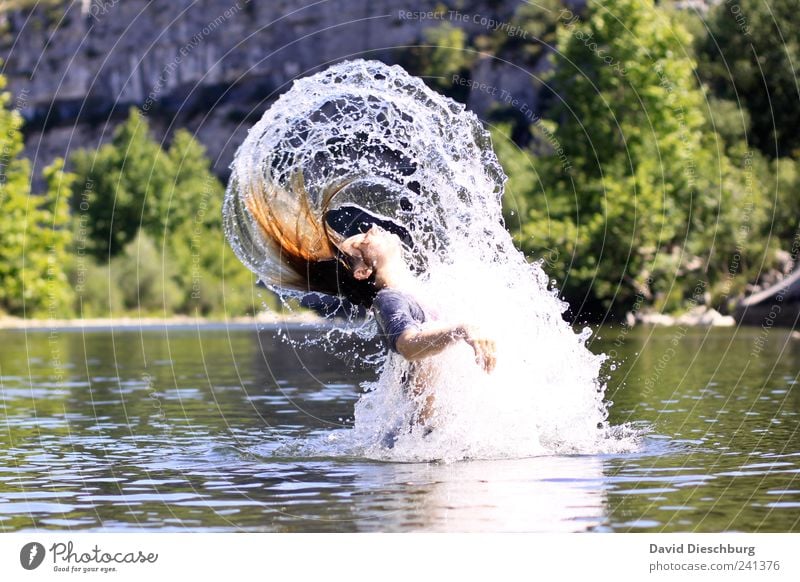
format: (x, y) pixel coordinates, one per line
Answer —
(417, 157)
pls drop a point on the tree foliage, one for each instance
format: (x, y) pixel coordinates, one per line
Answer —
(750, 56)
(132, 183)
(526, 35)
(35, 231)
(642, 200)
(442, 54)
(155, 216)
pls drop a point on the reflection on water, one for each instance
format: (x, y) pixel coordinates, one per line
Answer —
(184, 429)
(545, 494)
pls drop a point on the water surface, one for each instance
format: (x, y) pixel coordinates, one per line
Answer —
(187, 429)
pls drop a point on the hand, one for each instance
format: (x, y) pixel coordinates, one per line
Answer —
(484, 348)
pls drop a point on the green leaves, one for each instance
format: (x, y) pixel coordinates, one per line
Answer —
(124, 187)
(35, 229)
(144, 234)
(648, 188)
(750, 55)
(155, 217)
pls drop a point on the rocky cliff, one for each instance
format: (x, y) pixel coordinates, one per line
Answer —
(212, 66)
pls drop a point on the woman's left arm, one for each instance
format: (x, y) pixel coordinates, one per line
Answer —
(430, 339)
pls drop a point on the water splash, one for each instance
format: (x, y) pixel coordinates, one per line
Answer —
(421, 159)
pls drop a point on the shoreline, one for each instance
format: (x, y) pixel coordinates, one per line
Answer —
(268, 319)
(133, 322)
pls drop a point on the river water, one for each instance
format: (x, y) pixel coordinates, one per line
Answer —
(193, 428)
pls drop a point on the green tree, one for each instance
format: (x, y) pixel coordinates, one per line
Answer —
(640, 199)
(785, 187)
(14, 187)
(527, 34)
(750, 55)
(157, 216)
(524, 181)
(48, 258)
(442, 54)
(99, 294)
(213, 280)
(130, 179)
(145, 276)
(35, 230)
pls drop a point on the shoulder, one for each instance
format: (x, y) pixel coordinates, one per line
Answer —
(393, 299)
(391, 295)
(391, 305)
(395, 312)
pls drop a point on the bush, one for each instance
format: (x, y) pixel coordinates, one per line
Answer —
(144, 275)
(98, 293)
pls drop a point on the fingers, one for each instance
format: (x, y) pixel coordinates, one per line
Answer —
(485, 354)
(484, 348)
(491, 358)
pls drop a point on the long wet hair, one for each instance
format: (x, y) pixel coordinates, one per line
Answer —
(305, 245)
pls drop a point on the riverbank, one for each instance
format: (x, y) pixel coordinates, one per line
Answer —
(696, 318)
(128, 321)
(700, 316)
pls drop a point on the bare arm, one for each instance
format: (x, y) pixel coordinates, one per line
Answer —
(417, 344)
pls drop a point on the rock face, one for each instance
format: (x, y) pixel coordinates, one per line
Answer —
(212, 66)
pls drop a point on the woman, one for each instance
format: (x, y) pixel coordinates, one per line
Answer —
(352, 254)
(405, 326)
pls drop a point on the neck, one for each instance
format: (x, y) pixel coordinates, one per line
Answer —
(393, 275)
